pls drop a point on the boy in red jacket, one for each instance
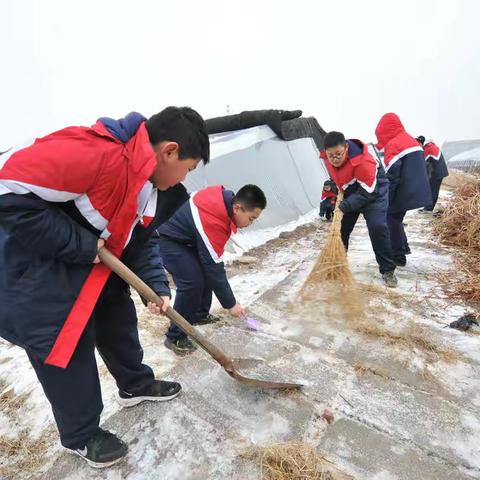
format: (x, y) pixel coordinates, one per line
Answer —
(365, 188)
(437, 169)
(406, 171)
(191, 245)
(329, 197)
(61, 198)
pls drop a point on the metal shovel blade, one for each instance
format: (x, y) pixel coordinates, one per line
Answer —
(255, 372)
(250, 371)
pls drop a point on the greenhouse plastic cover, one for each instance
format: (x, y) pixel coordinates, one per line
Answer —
(289, 172)
(468, 161)
(451, 149)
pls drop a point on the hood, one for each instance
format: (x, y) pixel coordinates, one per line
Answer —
(388, 128)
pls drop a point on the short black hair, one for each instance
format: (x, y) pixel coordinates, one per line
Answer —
(184, 126)
(332, 139)
(420, 139)
(251, 197)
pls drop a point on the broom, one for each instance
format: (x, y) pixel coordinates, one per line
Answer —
(332, 264)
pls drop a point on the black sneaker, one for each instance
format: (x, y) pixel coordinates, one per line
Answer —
(181, 346)
(102, 450)
(208, 319)
(400, 260)
(390, 279)
(158, 391)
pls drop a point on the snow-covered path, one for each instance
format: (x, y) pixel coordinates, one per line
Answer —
(404, 390)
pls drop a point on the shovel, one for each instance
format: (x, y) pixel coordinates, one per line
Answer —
(250, 371)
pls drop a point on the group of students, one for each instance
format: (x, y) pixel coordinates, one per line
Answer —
(408, 177)
(117, 184)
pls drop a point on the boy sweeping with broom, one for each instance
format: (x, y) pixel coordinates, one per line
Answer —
(365, 190)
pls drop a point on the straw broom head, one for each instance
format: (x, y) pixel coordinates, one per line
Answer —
(332, 264)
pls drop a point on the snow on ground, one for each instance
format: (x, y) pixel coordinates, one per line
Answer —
(404, 389)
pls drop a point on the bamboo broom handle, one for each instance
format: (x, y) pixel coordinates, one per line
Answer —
(337, 216)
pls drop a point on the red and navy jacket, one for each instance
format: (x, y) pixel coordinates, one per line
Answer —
(436, 165)
(360, 177)
(58, 195)
(405, 165)
(205, 223)
(330, 195)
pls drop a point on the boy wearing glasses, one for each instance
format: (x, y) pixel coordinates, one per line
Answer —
(191, 244)
(365, 187)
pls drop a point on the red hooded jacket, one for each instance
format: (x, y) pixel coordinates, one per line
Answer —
(108, 182)
(404, 164)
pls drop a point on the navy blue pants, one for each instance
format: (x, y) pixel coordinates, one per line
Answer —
(326, 208)
(74, 392)
(398, 237)
(193, 297)
(435, 184)
(376, 220)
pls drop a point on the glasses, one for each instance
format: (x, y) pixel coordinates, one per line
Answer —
(336, 155)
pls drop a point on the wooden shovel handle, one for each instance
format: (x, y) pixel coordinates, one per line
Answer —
(118, 267)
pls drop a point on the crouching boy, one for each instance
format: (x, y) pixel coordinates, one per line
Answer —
(191, 244)
(329, 198)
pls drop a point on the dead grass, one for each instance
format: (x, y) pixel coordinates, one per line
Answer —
(455, 179)
(414, 338)
(10, 404)
(371, 290)
(365, 305)
(294, 461)
(23, 456)
(459, 226)
(361, 369)
(20, 456)
(462, 282)
(410, 301)
(156, 326)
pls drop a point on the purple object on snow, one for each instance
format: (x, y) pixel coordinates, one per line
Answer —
(252, 324)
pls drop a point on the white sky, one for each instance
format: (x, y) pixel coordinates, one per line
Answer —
(346, 62)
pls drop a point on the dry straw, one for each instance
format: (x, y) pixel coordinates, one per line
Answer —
(22, 456)
(332, 264)
(293, 461)
(459, 226)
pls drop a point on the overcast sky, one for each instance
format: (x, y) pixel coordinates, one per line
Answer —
(69, 62)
